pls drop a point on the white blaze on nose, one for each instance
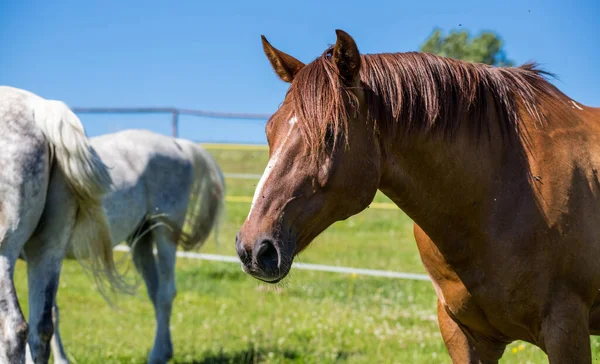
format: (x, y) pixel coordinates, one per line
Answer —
(270, 166)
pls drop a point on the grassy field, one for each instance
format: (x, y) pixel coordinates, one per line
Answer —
(223, 316)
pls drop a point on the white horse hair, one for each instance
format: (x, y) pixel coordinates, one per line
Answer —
(51, 189)
(167, 192)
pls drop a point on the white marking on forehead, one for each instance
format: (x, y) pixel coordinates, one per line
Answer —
(270, 166)
(575, 104)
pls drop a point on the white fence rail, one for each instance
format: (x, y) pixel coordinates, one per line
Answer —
(304, 266)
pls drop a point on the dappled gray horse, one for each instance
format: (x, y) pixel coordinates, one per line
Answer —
(51, 189)
(167, 192)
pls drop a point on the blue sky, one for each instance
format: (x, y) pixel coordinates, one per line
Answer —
(207, 54)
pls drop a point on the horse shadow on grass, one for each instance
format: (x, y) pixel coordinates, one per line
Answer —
(245, 356)
(250, 355)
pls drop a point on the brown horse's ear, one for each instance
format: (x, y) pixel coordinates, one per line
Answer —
(284, 65)
(347, 58)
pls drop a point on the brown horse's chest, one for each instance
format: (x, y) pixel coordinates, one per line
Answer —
(462, 307)
(481, 314)
(481, 305)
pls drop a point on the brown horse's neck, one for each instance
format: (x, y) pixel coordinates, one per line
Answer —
(453, 187)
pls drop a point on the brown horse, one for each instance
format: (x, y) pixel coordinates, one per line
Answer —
(498, 168)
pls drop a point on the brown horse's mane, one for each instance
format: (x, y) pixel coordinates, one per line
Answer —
(419, 92)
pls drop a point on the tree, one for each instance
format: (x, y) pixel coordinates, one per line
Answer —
(485, 48)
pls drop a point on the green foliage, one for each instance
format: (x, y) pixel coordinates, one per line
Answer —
(484, 48)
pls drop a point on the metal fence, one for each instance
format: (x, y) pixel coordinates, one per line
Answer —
(174, 112)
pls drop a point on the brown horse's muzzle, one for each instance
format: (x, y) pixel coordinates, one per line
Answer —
(264, 259)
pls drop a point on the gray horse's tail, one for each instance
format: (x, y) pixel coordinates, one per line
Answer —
(206, 200)
(89, 180)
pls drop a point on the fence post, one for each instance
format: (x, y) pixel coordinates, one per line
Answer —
(175, 123)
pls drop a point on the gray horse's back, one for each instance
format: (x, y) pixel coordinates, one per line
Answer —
(152, 174)
(130, 153)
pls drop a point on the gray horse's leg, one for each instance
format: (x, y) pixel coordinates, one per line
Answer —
(14, 230)
(58, 351)
(23, 186)
(13, 327)
(145, 263)
(165, 295)
(43, 278)
(159, 276)
(45, 252)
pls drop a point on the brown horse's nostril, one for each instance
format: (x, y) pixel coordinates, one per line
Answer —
(241, 251)
(267, 256)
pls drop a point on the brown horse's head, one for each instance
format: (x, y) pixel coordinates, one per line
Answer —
(324, 159)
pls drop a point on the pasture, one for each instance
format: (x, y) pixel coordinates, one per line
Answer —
(221, 315)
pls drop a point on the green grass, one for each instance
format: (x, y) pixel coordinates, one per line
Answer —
(223, 316)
